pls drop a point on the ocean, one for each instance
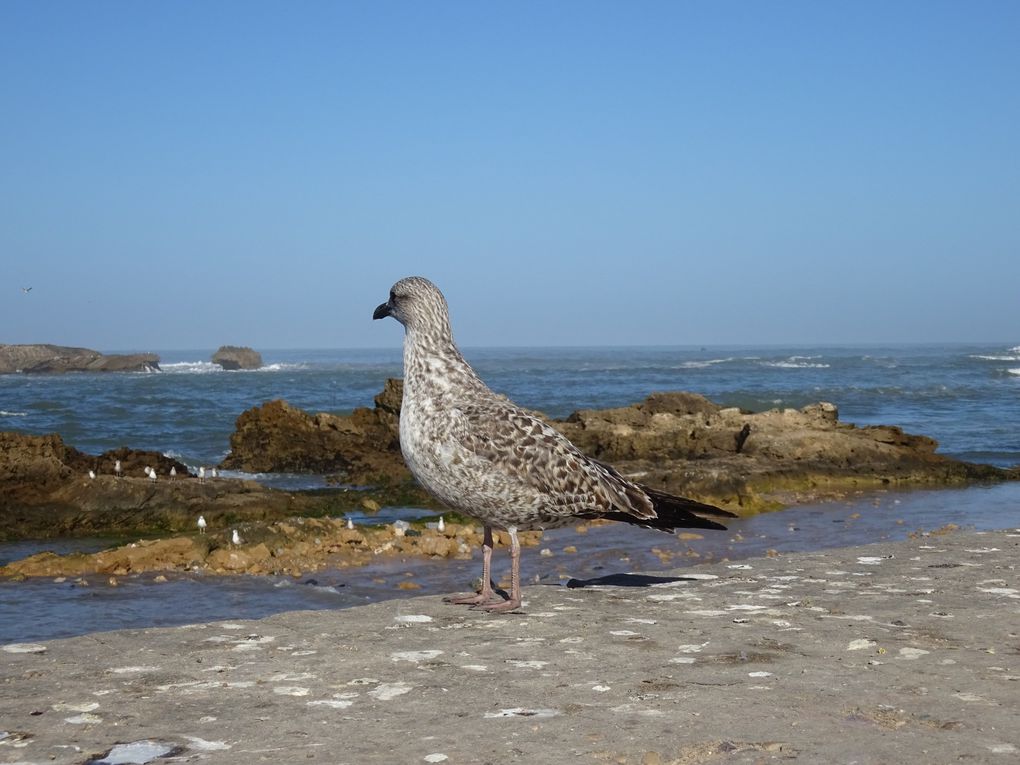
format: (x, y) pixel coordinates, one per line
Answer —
(965, 396)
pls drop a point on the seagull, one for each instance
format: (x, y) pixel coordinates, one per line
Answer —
(173, 473)
(215, 473)
(26, 290)
(117, 468)
(350, 523)
(201, 475)
(201, 524)
(485, 457)
(152, 474)
(148, 470)
(235, 537)
(92, 475)
(441, 526)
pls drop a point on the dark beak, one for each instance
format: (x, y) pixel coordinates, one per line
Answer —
(382, 311)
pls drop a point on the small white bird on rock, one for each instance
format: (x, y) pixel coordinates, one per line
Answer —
(201, 475)
(201, 524)
(92, 475)
(485, 457)
(235, 537)
(117, 470)
(173, 473)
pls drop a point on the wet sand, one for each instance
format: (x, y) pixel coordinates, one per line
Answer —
(893, 652)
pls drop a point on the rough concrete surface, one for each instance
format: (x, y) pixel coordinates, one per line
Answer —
(903, 652)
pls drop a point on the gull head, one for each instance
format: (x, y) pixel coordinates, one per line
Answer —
(417, 304)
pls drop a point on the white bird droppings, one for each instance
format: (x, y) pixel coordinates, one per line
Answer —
(413, 618)
(136, 753)
(291, 690)
(332, 703)
(1001, 748)
(25, 648)
(207, 746)
(436, 757)
(387, 691)
(414, 656)
(522, 712)
(912, 653)
(86, 718)
(858, 645)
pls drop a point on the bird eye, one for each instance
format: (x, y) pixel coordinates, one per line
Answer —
(393, 297)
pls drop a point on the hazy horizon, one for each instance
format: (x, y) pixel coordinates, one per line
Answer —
(570, 174)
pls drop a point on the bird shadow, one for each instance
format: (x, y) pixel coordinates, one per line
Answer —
(627, 580)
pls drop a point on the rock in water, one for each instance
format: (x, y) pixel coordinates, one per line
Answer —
(58, 358)
(237, 357)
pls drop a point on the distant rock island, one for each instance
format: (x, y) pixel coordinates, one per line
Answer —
(42, 359)
(237, 357)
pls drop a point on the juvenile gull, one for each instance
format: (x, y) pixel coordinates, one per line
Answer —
(485, 457)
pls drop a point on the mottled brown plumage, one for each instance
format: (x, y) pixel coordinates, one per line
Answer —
(485, 457)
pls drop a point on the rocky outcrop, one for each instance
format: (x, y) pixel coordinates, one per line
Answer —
(57, 358)
(45, 490)
(362, 447)
(293, 546)
(237, 357)
(681, 442)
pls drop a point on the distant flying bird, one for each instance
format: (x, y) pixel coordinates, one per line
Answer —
(201, 524)
(235, 537)
(173, 473)
(489, 459)
(26, 290)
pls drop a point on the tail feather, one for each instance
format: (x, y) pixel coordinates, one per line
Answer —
(673, 512)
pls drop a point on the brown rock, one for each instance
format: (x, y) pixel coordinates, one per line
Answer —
(59, 358)
(237, 357)
(362, 447)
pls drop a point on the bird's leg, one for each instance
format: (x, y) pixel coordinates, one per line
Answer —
(515, 578)
(487, 593)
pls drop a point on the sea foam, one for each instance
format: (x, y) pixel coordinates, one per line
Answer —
(208, 367)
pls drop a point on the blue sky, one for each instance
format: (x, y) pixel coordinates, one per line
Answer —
(188, 174)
